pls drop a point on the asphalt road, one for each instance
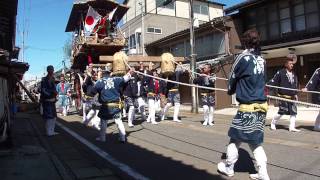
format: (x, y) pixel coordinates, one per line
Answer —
(188, 150)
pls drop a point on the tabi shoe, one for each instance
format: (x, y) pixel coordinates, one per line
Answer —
(258, 177)
(225, 170)
(205, 123)
(273, 127)
(130, 125)
(211, 123)
(294, 130)
(177, 120)
(155, 122)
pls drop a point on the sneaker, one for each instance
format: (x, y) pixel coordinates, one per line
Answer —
(294, 130)
(223, 169)
(273, 127)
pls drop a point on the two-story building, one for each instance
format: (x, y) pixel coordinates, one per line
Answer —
(284, 25)
(159, 21)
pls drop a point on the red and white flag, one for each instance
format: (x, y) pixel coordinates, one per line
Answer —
(112, 13)
(91, 19)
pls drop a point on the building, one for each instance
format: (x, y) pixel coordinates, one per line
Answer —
(10, 71)
(213, 44)
(160, 21)
(285, 26)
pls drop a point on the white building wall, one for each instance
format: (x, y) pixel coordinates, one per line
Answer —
(151, 6)
(215, 11)
(182, 8)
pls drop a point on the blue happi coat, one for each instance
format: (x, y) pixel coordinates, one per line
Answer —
(314, 85)
(62, 95)
(48, 97)
(108, 89)
(247, 80)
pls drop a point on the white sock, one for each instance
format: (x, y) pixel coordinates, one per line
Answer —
(122, 130)
(48, 127)
(232, 155)
(64, 110)
(275, 119)
(205, 114)
(152, 110)
(131, 115)
(211, 111)
(84, 106)
(292, 122)
(176, 111)
(165, 110)
(261, 160)
(89, 116)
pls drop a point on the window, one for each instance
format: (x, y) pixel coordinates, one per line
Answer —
(312, 14)
(159, 3)
(154, 30)
(132, 42)
(299, 19)
(201, 9)
(285, 21)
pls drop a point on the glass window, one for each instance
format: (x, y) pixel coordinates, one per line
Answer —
(178, 49)
(157, 30)
(298, 9)
(159, 3)
(285, 26)
(300, 23)
(132, 43)
(312, 20)
(284, 13)
(311, 6)
(150, 29)
(204, 10)
(196, 8)
(273, 16)
(274, 30)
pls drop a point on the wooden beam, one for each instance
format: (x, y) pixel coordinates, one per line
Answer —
(106, 59)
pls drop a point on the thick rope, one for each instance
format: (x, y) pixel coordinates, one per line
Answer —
(225, 90)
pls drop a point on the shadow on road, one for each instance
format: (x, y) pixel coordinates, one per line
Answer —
(148, 163)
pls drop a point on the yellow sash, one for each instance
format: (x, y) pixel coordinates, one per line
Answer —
(255, 107)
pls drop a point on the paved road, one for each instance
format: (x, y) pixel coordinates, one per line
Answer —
(190, 151)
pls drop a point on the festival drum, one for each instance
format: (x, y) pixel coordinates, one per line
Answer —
(167, 64)
(119, 66)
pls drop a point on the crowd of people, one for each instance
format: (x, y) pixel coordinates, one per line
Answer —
(107, 97)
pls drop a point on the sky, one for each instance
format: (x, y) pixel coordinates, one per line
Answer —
(43, 24)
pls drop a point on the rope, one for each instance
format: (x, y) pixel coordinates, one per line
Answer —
(290, 89)
(293, 101)
(225, 90)
(214, 77)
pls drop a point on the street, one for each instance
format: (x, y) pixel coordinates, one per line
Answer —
(175, 150)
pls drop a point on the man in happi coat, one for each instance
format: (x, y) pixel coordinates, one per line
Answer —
(207, 95)
(314, 85)
(173, 94)
(63, 89)
(247, 81)
(286, 78)
(109, 89)
(48, 101)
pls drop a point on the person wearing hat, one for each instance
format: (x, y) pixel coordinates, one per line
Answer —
(288, 79)
(48, 100)
(313, 85)
(109, 89)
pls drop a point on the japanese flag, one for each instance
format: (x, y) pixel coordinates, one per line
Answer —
(91, 20)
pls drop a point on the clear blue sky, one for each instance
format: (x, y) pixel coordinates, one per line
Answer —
(44, 22)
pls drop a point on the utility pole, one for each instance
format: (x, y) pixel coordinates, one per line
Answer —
(194, 94)
(142, 27)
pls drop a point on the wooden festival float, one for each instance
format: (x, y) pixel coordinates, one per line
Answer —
(104, 43)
